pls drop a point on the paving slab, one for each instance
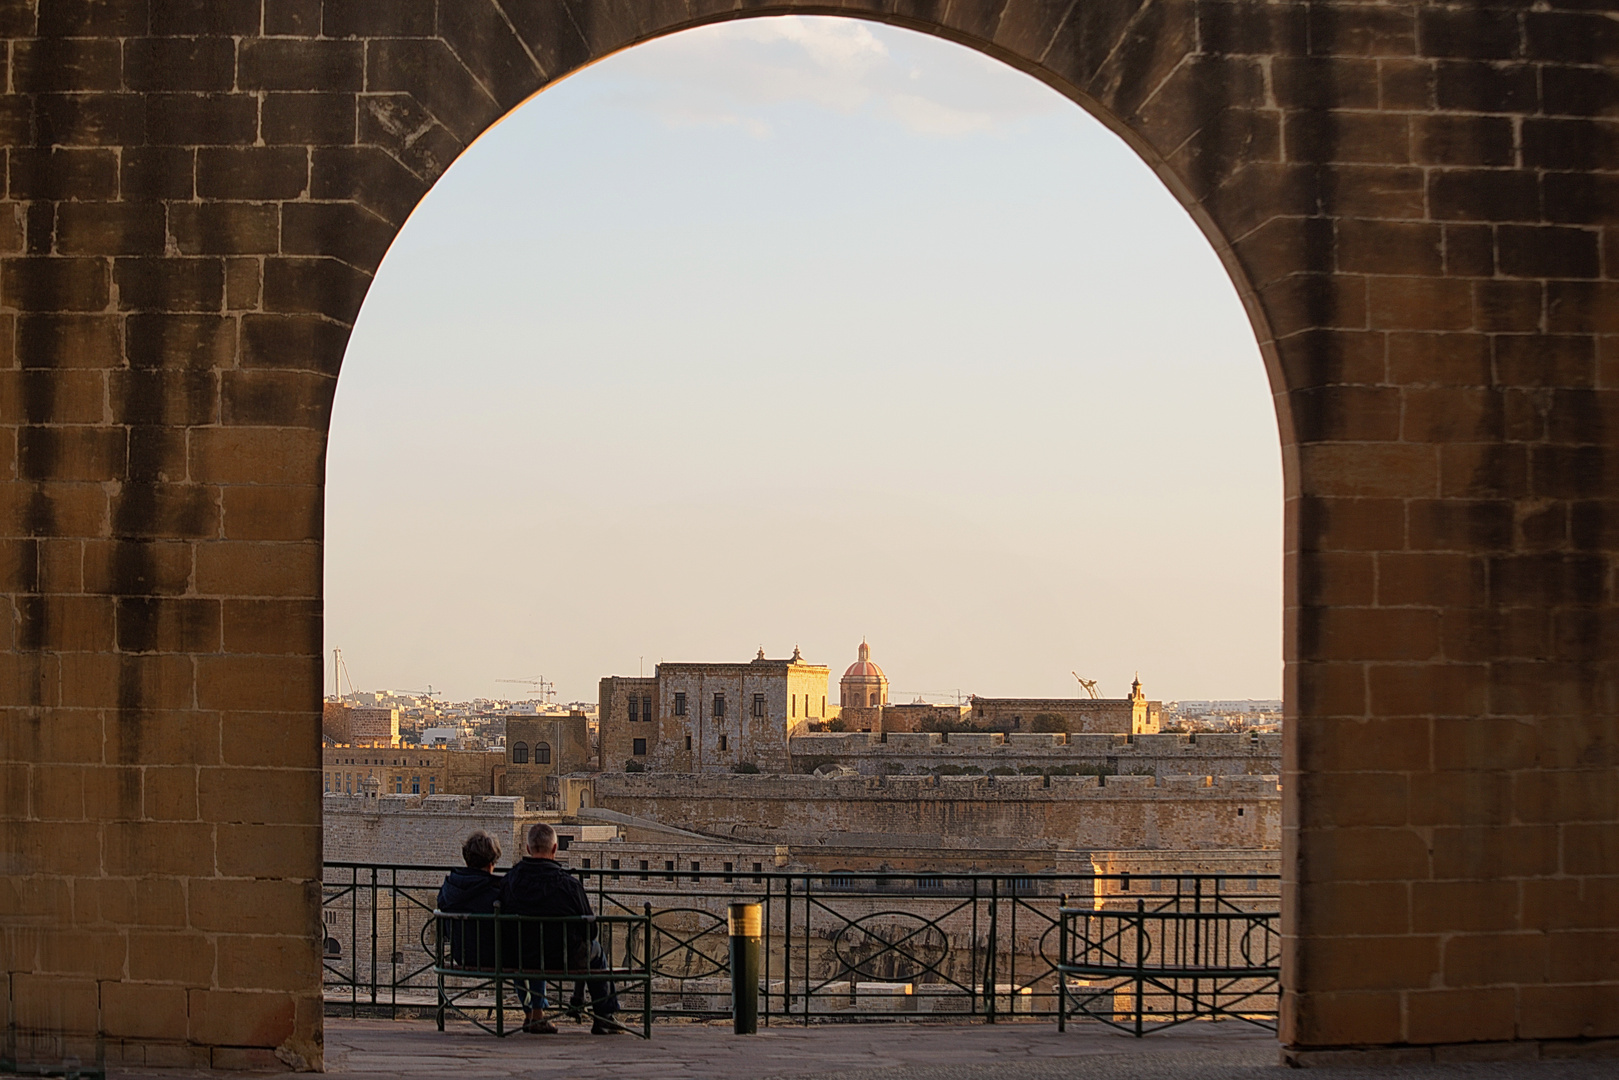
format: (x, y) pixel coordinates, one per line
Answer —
(367, 1049)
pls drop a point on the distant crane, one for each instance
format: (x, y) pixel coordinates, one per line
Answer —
(541, 687)
(429, 694)
(340, 675)
(1088, 684)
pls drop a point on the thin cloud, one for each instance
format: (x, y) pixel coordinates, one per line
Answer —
(737, 73)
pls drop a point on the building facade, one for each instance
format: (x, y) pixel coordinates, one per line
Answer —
(1133, 715)
(715, 718)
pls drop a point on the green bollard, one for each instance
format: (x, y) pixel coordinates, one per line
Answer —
(746, 921)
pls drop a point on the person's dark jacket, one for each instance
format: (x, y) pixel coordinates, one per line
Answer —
(542, 887)
(470, 892)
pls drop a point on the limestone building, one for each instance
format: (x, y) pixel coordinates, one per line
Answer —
(709, 717)
(1133, 715)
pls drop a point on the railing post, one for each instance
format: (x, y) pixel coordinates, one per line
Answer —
(646, 963)
(373, 935)
(438, 962)
(1141, 960)
(745, 930)
(1062, 962)
(989, 967)
(500, 995)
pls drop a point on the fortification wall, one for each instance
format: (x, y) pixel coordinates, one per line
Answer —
(427, 830)
(1257, 754)
(1191, 812)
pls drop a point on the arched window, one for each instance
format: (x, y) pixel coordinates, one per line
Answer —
(520, 753)
(873, 701)
(542, 753)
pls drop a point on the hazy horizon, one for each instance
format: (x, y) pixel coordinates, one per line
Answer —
(789, 332)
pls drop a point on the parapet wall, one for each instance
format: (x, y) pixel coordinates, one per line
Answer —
(1190, 812)
(872, 754)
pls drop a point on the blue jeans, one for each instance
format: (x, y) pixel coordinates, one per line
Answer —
(531, 993)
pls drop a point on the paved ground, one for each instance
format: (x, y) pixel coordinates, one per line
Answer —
(367, 1049)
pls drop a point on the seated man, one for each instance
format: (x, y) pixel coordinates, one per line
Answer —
(539, 886)
(472, 890)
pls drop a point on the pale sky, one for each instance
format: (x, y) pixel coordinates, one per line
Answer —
(791, 332)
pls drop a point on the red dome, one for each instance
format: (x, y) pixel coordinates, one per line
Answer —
(864, 668)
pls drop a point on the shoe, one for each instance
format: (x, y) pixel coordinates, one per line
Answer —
(602, 1027)
(576, 1013)
(540, 1026)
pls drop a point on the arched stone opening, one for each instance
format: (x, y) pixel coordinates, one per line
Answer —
(1410, 201)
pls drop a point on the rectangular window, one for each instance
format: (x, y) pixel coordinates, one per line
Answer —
(823, 706)
(696, 871)
(635, 708)
(792, 704)
(758, 870)
(584, 864)
(758, 706)
(719, 706)
(688, 742)
(432, 785)
(669, 870)
(680, 703)
(723, 741)
(1124, 882)
(614, 865)
(415, 785)
(643, 869)
(638, 748)
(930, 882)
(728, 868)
(646, 709)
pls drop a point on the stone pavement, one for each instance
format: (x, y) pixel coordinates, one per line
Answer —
(370, 1049)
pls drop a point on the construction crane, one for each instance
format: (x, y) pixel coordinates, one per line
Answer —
(1088, 684)
(429, 693)
(340, 675)
(541, 687)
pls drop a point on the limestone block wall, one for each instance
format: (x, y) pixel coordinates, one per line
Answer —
(425, 830)
(1414, 202)
(1070, 812)
(918, 752)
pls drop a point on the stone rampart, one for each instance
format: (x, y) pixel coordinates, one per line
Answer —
(1200, 812)
(873, 754)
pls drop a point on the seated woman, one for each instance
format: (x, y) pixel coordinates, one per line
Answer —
(472, 890)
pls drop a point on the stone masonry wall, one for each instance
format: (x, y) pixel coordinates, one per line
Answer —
(1072, 812)
(1157, 755)
(1415, 203)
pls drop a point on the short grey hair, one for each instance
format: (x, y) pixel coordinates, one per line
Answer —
(541, 837)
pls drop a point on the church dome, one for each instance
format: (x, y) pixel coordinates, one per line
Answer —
(865, 667)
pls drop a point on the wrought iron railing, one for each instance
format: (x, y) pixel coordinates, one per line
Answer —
(1169, 960)
(836, 946)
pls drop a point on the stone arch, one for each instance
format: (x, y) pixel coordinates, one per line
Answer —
(1413, 201)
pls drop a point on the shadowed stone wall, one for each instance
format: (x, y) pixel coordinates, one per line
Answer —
(1416, 203)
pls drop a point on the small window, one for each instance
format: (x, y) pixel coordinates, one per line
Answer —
(432, 785)
(728, 868)
(696, 871)
(1124, 882)
(680, 704)
(688, 743)
(614, 865)
(520, 753)
(930, 882)
(638, 748)
(719, 706)
(1239, 811)
(873, 701)
(584, 864)
(542, 753)
(415, 785)
(669, 870)
(635, 708)
(644, 865)
(758, 870)
(842, 881)
(792, 704)
(823, 706)
(758, 706)
(723, 742)
(646, 709)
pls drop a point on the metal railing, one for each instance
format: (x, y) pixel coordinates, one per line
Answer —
(844, 946)
(1164, 962)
